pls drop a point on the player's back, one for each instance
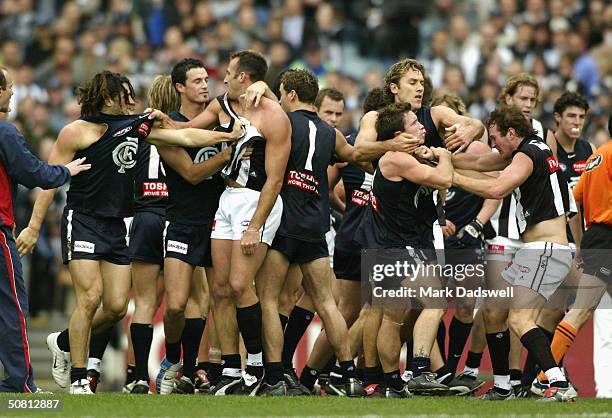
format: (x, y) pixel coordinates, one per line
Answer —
(305, 189)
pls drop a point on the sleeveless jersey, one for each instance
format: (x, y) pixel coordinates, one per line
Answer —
(573, 164)
(249, 173)
(357, 185)
(150, 190)
(305, 189)
(401, 213)
(107, 189)
(461, 207)
(193, 204)
(544, 195)
(432, 137)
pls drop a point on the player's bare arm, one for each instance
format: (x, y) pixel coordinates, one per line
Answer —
(194, 173)
(458, 131)
(277, 132)
(193, 137)
(369, 148)
(333, 177)
(350, 154)
(407, 167)
(72, 138)
(509, 179)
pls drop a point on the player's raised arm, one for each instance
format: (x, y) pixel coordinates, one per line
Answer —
(193, 137)
(459, 131)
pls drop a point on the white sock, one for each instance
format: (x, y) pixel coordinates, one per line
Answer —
(231, 372)
(472, 371)
(255, 359)
(94, 364)
(555, 375)
(502, 382)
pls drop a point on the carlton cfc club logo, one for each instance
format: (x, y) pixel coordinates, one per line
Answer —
(124, 154)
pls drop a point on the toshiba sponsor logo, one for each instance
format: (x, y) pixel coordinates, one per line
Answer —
(304, 181)
(144, 128)
(360, 197)
(177, 247)
(579, 166)
(553, 164)
(154, 189)
(495, 249)
(84, 247)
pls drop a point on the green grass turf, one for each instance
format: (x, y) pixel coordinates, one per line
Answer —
(122, 405)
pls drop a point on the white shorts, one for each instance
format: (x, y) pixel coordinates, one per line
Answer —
(502, 248)
(540, 266)
(236, 208)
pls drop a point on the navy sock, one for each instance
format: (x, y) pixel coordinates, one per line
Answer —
(473, 360)
(63, 340)
(298, 323)
(173, 352)
(274, 372)
(284, 319)
(99, 342)
(78, 373)
(394, 380)
(348, 368)
(190, 341)
(309, 377)
(142, 336)
(458, 334)
(420, 365)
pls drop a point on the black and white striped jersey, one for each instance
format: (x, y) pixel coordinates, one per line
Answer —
(504, 220)
(249, 172)
(545, 194)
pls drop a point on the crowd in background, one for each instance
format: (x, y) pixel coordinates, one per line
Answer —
(469, 47)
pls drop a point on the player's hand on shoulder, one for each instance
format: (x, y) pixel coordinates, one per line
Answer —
(77, 166)
(161, 118)
(253, 94)
(26, 241)
(404, 143)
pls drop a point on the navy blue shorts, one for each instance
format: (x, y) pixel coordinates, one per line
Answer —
(87, 237)
(298, 251)
(188, 243)
(147, 237)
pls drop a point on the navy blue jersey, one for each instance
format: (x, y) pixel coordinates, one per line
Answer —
(107, 190)
(573, 163)
(461, 207)
(305, 189)
(193, 204)
(357, 185)
(400, 213)
(432, 137)
(19, 166)
(150, 190)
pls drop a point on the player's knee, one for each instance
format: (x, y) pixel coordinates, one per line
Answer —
(464, 314)
(116, 310)
(89, 302)
(494, 318)
(238, 287)
(520, 323)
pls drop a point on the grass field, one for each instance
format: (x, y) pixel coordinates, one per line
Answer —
(121, 405)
